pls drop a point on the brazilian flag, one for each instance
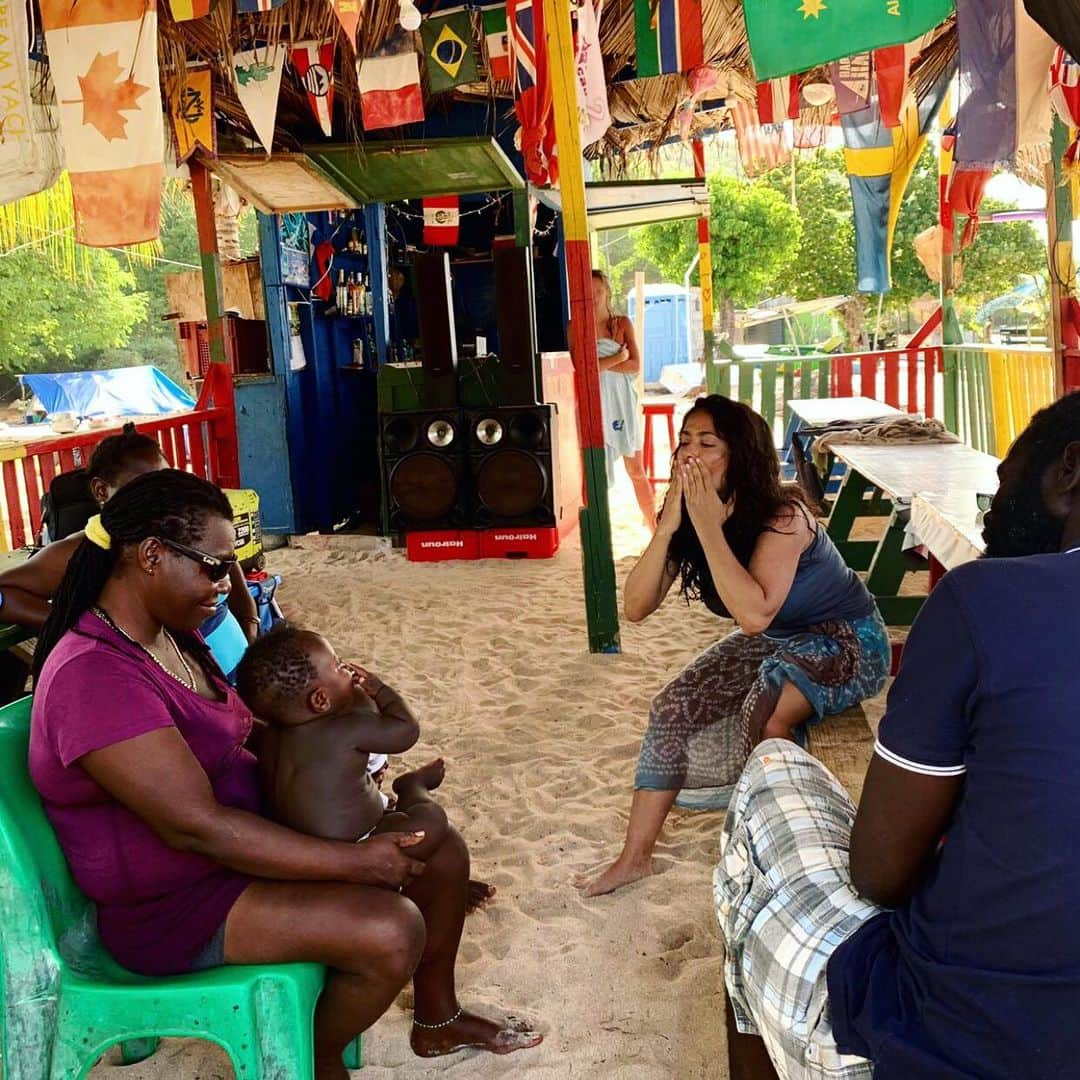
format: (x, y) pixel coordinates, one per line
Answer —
(448, 51)
(789, 36)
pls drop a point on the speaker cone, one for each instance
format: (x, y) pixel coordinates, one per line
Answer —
(527, 429)
(511, 483)
(489, 431)
(400, 435)
(424, 486)
(440, 433)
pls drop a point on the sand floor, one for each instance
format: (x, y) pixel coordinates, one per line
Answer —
(540, 739)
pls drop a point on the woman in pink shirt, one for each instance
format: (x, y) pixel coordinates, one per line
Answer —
(139, 750)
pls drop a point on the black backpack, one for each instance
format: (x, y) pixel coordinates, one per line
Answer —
(67, 507)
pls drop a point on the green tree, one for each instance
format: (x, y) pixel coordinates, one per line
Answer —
(754, 234)
(48, 322)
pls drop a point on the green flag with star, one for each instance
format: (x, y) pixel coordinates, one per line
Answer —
(789, 36)
(448, 51)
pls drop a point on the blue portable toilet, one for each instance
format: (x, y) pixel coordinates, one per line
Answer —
(665, 327)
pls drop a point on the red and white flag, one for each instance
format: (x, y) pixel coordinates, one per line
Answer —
(390, 90)
(761, 147)
(103, 56)
(442, 218)
(314, 63)
(778, 100)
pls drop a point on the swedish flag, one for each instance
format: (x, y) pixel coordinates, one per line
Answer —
(448, 51)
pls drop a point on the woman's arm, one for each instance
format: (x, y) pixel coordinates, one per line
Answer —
(630, 364)
(28, 587)
(242, 604)
(156, 776)
(754, 595)
(653, 575)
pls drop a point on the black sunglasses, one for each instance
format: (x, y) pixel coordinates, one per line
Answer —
(213, 567)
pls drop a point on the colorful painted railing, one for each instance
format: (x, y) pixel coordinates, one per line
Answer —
(903, 378)
(202, 441)
(991, 392)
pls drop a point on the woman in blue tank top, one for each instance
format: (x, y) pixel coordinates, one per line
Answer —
(809, 640)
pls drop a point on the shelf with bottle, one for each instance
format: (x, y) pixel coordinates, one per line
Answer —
(352, 297)
(365, 354)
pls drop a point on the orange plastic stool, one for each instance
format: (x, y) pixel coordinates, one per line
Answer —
(653, 410)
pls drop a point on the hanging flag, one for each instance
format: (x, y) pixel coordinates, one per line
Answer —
(880, 162)
(186, 10)
(851, 81)
(30, 154)
(313, 61)
(532, 89)
(1065, 101)
(191, 109)
(448, 51)
(258, 83)
(667, 36)
(497, 41)
(349, 13)
(761, 147)
(592, 96)
(891, 77)
(787, 37)
(103, 58)
(442, 217)
(390, 90)
(248, 7)
(1004, 111)
(1060, 21)
(778, 100)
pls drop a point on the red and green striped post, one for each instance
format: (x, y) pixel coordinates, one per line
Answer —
(601, 604)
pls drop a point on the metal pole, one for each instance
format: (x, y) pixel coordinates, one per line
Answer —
(601, 605)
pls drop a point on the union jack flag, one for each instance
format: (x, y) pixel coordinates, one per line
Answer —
(532, 88)
(522, 24)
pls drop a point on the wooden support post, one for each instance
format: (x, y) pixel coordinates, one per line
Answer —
(224, 450)
(1059, 219)
(601, 605)
(705, 261)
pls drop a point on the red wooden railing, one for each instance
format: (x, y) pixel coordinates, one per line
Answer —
(903, 378)
(202, 441)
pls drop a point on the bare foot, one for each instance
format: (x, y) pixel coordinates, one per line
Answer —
(480, 895)
(614, 877)
(470, 1031)
(429, 777)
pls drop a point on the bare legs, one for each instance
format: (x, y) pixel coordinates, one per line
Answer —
(643, 490)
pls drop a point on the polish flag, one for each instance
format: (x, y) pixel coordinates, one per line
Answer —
(441, 220)
(778, 100)
(103, 58)
(314, 63)
(390, 90)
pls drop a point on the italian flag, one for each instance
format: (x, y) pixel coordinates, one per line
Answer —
(390, 90)
(498, 45)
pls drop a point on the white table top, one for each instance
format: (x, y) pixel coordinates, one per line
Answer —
(816, 412)
(949, 526)
(902, 469)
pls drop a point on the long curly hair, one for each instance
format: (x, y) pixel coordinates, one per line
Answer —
(752, 478)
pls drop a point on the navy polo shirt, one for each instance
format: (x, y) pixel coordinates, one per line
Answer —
(978, 975)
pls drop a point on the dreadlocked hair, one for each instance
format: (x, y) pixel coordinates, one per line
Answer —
(1050, 431)
(169, 504)
(752, 479)
(112, 455)
(276, 670)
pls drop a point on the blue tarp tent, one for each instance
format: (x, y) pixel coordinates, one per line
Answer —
(131, 391)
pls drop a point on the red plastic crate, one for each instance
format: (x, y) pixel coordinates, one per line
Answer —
(520, 542)
(439, 545)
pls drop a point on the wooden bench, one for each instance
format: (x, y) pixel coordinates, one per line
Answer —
(844, 744)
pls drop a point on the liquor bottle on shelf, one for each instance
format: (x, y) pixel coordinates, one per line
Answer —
(363, 245)
(354, 241)
(358, 354)
(341, 294)
(353, 297)
(369, 304)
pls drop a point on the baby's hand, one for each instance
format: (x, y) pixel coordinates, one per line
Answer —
(364, 680)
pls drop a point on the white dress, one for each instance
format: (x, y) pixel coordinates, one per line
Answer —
(619, 408)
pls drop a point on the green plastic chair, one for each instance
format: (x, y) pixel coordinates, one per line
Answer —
(66, 1001)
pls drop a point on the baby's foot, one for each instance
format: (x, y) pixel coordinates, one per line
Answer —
(480, 895)
(429, 777)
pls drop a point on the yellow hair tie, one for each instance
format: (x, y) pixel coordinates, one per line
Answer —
(97, 534)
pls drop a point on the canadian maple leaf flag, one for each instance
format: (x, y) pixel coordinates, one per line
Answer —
(103, 56)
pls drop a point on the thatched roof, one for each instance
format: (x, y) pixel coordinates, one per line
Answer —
(643, 110)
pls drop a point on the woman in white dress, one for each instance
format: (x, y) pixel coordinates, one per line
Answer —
(620, 362)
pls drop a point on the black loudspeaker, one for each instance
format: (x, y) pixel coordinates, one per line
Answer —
(424, 469)
(513, 468)
(438, 338)
(515, 322)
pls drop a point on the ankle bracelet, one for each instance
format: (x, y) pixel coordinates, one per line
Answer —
(435, 1027)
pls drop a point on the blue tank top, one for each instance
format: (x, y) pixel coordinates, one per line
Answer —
(824, 589)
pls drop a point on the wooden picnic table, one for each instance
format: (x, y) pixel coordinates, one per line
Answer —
(949, 524)
(882, 481)
(11, 635)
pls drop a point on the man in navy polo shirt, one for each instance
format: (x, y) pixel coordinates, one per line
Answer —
(934, 934)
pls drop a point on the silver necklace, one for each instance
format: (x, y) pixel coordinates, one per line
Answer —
(190, 683)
